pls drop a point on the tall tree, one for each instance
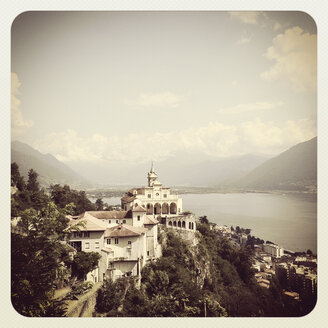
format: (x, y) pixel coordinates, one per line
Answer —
(32, 183)
(16, 179)
(37, 254)
(99, 204)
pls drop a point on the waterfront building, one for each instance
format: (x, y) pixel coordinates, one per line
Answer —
(274, 250)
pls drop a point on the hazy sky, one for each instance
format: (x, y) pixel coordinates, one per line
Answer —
(100, 87)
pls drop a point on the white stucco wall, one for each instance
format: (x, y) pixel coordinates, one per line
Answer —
(94, 243)
(115, 222)
(136, 249)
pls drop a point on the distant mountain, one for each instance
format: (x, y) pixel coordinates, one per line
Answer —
(50, 170)
(206, 172)
(181, 169)
(294, 169)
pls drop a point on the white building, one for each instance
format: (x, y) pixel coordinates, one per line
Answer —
(127, 239)
(157, 200)
(159, 203)
(273, 250)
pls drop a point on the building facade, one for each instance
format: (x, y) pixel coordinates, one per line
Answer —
(156, 199)
(160, 203)
(128, 238)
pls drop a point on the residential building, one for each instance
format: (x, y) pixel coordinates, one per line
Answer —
(274, 250)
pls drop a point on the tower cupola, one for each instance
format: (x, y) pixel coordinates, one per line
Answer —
(152, 177)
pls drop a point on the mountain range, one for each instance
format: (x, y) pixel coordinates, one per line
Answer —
(50, 170)
(294, 169)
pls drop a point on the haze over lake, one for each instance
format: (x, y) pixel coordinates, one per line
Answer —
(289, 220)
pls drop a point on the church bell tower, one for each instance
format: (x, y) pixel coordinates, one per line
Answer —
(152, 176)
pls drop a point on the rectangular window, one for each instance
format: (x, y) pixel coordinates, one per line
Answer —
(87, 245)
(149, 195)
(138, 217)
(109, 221)
(147, 253)
(86, 234)
(108, 241)
(165, 195)
(116, 221)
(97, 244)
(116, 241)
(124, 221)
(129, 242)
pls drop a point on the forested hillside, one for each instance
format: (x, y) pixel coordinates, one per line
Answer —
(50, 170)
(294, 169)
(210, 279)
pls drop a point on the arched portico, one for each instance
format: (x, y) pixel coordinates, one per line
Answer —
(165, 208)
(173, 208)
(150, 209)
(157, 209)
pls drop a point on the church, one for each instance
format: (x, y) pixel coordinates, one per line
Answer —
(156, 199)
(159, 202)
(127, 239)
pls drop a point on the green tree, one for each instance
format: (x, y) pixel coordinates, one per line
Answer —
(36, 257)
(99, 204)
(63, 195)
(84, 262)
(16, 179)
(110, 296)
(204, 220)
(32, 182)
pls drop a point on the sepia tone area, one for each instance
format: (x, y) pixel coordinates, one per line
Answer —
(164, 164)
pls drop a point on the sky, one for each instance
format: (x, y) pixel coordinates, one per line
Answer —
(120, 88)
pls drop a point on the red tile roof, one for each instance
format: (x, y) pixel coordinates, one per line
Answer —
(89, 223)
(138, 209)
(108, 215)
(150, 220)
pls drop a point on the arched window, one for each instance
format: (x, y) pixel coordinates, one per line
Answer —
(179, 224)
(174, 223)
(170, 223)
(183, 224)
(165, 208)
(173, 208)
(157, 209)
(149, 208)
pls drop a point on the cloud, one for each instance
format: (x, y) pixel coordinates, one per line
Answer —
(243, 40)
(214, 139)
(242, 108)
(294, 54)
(247, 17)
(155, 100)
(259, 18)
(277, 26)
(18, 123)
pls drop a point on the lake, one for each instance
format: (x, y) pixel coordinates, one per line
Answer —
(289, 220)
